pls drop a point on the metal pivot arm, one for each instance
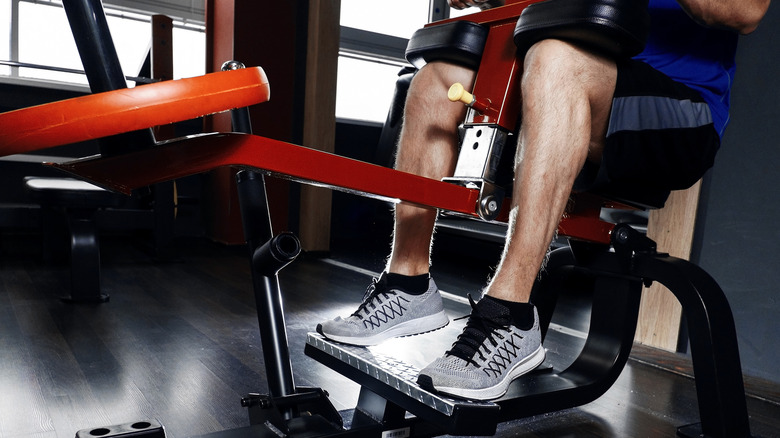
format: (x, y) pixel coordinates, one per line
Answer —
(269, 255)
(477, 167)
(493, 109)
(491, 117)
(479, 156)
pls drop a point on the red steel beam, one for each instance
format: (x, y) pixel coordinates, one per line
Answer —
(183, 157)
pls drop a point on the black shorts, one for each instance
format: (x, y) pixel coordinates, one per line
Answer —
(660, 138)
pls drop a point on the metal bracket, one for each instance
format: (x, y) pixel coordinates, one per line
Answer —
(271, 411)
(477, 166)
(627, 241)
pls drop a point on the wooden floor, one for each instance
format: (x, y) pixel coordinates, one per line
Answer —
(178, 342)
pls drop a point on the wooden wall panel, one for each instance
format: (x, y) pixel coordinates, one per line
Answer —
(672, 228)
(266, 34)
(320, 116)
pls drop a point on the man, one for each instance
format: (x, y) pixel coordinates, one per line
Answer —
(651, 123)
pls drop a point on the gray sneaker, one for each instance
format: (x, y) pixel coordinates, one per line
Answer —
(388, 313)
(488, 355)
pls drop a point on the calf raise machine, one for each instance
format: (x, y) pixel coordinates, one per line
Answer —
(388, 388)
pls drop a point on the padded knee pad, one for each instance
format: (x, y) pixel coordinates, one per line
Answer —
(616, 28)
(458, 42)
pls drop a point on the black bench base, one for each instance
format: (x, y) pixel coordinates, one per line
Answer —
(79, 201)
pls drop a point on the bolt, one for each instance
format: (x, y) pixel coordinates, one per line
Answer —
(622, 235)
(232, 65)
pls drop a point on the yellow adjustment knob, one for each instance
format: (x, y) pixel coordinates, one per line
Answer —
(457, 93)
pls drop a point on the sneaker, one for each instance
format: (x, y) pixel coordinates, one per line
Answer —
(388, 313)
(488, 355)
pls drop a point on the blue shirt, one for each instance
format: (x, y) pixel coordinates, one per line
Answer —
(699, 57)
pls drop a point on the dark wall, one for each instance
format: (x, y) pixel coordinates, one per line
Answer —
(354, 218)
(739, 228)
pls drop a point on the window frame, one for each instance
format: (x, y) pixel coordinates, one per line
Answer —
(354, 43)
(114, 9)
(381, 48)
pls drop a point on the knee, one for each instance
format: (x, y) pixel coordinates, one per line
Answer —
(552, 66)
(551, 60)
(428, 90)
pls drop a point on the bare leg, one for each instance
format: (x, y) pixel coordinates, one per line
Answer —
(427, 147)
(567, 95)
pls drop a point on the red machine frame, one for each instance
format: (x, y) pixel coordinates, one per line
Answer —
(120, 111)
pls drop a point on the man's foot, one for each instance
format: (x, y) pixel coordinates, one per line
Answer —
(388, 312)
(490, 353)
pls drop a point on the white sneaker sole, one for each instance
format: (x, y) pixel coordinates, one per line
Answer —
(408, 328)
(523, 367)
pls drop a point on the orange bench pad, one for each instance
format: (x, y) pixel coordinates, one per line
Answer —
(115, 112)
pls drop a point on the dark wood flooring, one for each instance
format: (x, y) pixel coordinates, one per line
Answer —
(178, 342)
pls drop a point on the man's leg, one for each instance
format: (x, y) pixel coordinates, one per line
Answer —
(427, 147)
(405, 300)
(567, 95)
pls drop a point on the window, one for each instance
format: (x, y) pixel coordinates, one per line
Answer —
(39, 34)
(373, 40)
(364, 89)
(397, 18)
(5, 31)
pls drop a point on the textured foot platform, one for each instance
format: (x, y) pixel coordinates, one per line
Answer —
(395, 381)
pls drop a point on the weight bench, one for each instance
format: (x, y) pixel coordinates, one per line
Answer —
(615, 257)
(78, 201)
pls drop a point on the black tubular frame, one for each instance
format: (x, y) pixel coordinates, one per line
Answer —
(712, 333)
(270, 314)
(95, 45)
(268, 255)
(99, 58)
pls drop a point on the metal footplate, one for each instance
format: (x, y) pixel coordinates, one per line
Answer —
(394, 381)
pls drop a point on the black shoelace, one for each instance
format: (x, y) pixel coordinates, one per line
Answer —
(374, 292)
(478, 328)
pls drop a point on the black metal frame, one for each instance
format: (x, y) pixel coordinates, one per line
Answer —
(616, 279)
(712, 333)
(101, 64)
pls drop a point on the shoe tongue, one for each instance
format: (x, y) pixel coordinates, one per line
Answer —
(489, 308)
(473, 335)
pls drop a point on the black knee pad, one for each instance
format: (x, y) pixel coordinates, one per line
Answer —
(616, 28)
(458, 42)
